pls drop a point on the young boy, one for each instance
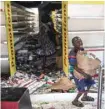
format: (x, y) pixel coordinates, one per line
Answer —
(83, 85)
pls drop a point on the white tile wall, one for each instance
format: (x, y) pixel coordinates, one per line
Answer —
(83, 10)
(90, 38)
(3, 33)
(85, 24)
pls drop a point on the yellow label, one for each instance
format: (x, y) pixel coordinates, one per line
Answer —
(65, 36)
(10, 37)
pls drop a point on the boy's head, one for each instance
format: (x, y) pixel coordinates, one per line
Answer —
(77, 42)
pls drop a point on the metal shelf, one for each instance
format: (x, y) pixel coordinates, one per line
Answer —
(18, 39)
(16, 18)
(19, 8)
(23, 21)
(16, 11)
(23, 26)
(15, 30)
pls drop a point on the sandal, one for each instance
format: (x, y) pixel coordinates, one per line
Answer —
(87, 98)
(77, 103)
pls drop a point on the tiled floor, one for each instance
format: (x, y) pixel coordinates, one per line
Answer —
(66, 104)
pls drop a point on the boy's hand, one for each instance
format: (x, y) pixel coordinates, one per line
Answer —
(85, 52)
(83, 73)
(92, 55)
(87, 76)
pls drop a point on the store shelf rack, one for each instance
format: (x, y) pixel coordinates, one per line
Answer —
(23, 24)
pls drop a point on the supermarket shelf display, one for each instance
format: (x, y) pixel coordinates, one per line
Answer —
(31, 46)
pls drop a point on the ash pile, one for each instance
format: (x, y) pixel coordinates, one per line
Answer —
(37, 53)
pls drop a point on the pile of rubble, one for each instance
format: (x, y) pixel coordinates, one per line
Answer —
(29, 81)
(48, 84)
(30, 58)
(32, 82)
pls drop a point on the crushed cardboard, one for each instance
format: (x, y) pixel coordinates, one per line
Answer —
(88, 65)
(63, 84)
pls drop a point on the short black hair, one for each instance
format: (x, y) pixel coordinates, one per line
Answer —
(75, 38)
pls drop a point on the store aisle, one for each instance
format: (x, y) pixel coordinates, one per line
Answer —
(61, 101)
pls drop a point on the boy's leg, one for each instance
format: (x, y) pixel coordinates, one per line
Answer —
(76, 101)
(78, 96)
(85, 96)
(80, 87)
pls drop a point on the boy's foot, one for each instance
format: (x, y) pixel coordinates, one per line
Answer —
(77, 103)
(87, 98)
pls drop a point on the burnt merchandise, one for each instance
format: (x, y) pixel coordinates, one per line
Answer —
(58, 26)
(30, 58)
(47, 46)
(28, 61)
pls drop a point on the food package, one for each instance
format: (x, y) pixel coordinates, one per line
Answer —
(88, 65)
(78, 75)
(63, 84)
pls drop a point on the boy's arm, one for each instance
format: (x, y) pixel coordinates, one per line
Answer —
(82, 72)
(83, 52)
(73, 62)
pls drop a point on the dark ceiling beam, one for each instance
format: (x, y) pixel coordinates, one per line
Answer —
(29, 4)
(33, 4)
